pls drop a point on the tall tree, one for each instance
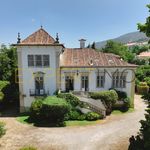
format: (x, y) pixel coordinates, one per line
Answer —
(118, 49)
(146, 26)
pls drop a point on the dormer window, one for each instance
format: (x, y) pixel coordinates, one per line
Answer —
(38, 61)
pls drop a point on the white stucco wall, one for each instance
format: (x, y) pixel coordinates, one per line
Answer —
(27, 79)
(92, 72)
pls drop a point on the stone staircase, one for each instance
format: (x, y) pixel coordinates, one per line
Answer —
(94, 105)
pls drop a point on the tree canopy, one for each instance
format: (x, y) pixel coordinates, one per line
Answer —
(118, 49)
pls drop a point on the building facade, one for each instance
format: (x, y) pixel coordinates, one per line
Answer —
(45, 65)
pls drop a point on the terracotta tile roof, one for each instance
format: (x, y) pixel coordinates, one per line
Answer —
(144, 54)
(40, 37)
(90, 58)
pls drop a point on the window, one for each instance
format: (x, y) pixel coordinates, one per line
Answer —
(119, 81)
(46, 60)
(30, 60)
(100, 80)
(38, 60)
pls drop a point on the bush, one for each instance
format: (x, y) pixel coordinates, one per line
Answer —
(91, 116)
(28, 148)
(142, 88)
(70, 98)
(73, 115)
(121, 95)
(109, 97)
(147, 80)
(82, 117)
(2, 129)
(49, 110)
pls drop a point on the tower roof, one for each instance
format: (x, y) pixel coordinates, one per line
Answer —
(40, 37)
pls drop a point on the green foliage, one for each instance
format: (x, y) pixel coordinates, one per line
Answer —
(142, 141)
(73, 115)
(139, 49)
(70, 98)
(28, 148)
(143, 74)
(49, 110)
(118, 49)
(8, 65)
(142, 88)
(91, 116)
(3, 84)
(2, 129)
(147, 80)
(146, 26)
(121, 95)
(106, 96)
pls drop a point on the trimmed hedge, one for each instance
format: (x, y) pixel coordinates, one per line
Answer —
(70, 98)
(106, 96)
(49, 110)
(142, 88)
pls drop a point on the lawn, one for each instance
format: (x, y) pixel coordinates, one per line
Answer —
(119, 112)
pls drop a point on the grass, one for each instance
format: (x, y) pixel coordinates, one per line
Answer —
(81, 123)
(119, 112)
(23, 119)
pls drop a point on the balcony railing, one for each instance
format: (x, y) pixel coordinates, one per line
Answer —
(41, 92)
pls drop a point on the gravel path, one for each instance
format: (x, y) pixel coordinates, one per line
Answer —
(112, 134)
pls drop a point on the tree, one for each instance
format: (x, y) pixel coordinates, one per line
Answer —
(118, 49)
(8, 66)
(93, 45)
(146, 26)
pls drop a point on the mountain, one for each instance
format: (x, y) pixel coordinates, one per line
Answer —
(126, 38)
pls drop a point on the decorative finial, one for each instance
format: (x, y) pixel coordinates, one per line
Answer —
(19, 39)
(57, 38)
(41, 27)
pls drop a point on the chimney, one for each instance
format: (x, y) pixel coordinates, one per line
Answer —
(82, 43)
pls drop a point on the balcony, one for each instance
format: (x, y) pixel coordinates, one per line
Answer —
(41, 92)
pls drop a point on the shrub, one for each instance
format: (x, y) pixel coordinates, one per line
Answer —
(49, 110)
(82, 117)
(142, 88)
(106, 96)
(73, 115)
(121, 95)
(91, 116)
(2, 129)
(28, 148)
(1, 96)
(147, 80)
(70, 98)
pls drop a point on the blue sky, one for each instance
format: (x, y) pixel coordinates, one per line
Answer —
(94, 20)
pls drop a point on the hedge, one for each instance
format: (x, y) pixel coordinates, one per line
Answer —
(106, 96)
(49, 110)
(142, 88)
(70, 98)
(91, 116)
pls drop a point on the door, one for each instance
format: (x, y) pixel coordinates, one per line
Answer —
(69, 83)
(84, 83)
(39, 85)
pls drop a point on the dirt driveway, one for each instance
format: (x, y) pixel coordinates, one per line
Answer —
(112, 134)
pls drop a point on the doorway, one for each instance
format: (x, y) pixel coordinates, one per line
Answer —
(84, 83)
(69, 83)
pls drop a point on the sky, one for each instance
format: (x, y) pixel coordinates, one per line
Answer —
(93, 20)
